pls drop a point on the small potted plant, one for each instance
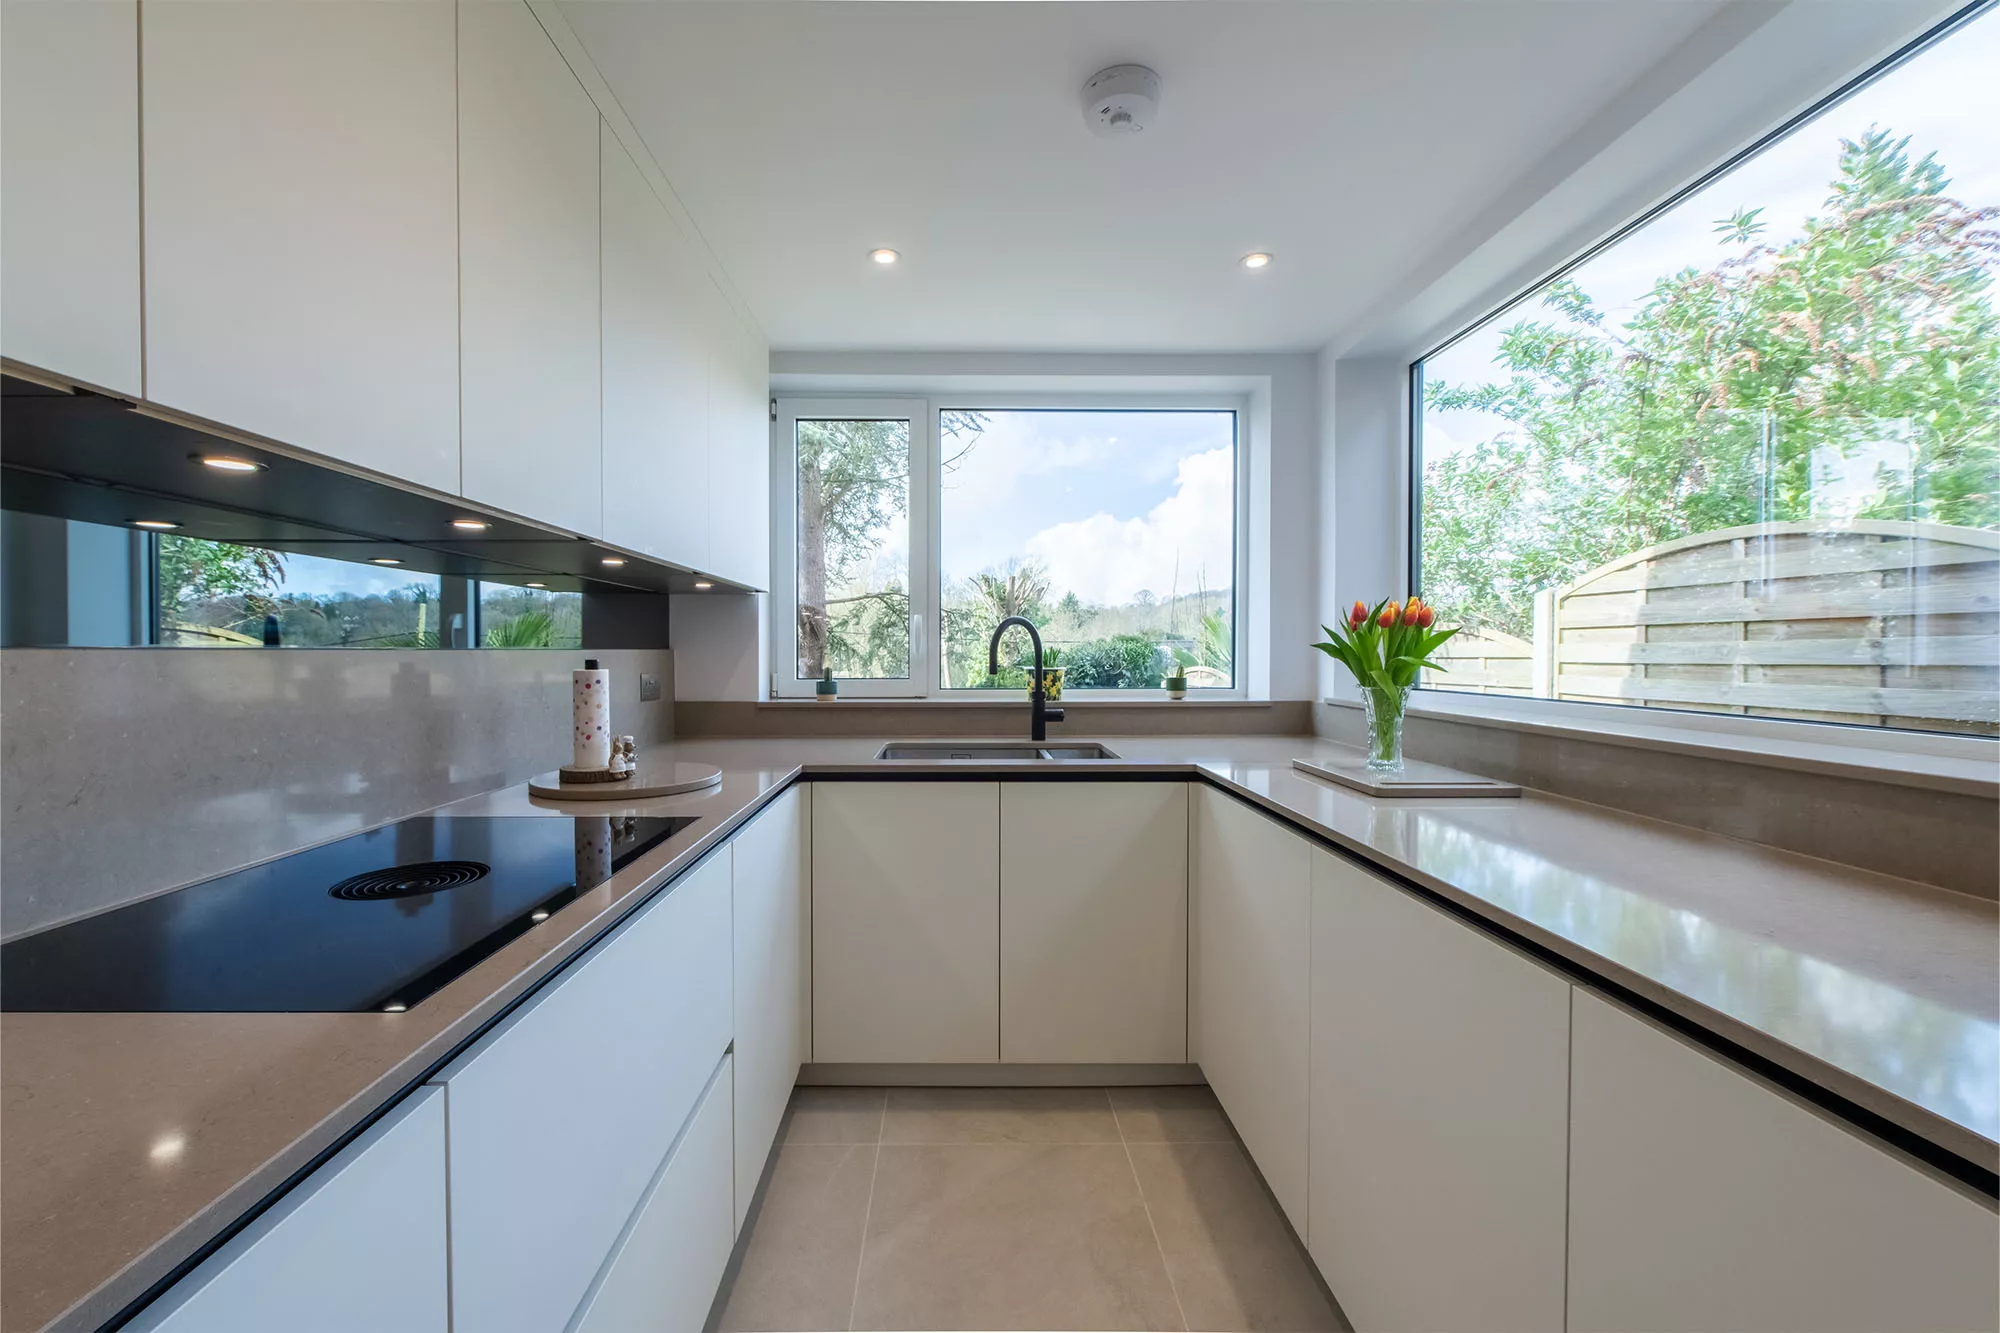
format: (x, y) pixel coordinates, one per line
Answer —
(1385, 649)
(1052, 673)
(826, 689)
(1176, 678)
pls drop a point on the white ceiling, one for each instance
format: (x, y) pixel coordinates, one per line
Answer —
(1350, 139)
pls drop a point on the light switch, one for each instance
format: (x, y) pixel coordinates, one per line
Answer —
(649, 686)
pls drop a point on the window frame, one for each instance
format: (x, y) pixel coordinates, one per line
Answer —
(1863, 738)
(926, 543)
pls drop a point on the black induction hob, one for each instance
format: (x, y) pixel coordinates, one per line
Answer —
(376, 921)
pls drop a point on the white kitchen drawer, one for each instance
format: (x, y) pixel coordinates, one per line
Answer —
(560, 1115)
(663, 1275)
(358, 1244)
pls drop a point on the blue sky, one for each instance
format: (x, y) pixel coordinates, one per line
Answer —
(1110, 502)
(1947, 99)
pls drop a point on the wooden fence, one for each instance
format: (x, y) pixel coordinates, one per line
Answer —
(1878, 623)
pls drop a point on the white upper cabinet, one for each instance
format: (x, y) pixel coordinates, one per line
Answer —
(771, 906)
(1251, 885)
(657, 350)
(739, 484)
(359, 1244)
(1093, 922)
(301, 225)
(529, 265)
(1440, 1086)
(1702, 1199)
(69, 189)
(906, 922)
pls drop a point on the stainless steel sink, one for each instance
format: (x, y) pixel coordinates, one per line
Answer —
(982, 751)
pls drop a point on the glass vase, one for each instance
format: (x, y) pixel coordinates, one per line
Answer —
(1384, 710)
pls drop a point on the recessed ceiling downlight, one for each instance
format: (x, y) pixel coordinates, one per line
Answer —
(154, 524)
(229, 463)
(1257, 259)
(1121, 101)
(470, 524)
(385, 560)
(613, 561)
(884, 256)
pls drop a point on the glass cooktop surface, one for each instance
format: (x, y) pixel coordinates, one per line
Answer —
(376, 921)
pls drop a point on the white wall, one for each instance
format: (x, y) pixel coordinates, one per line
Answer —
(1363, 497)
(716, 645)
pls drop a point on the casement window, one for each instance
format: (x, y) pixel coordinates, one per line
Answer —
(1744, 457)
(915, 525)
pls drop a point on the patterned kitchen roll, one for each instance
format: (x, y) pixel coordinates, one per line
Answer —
(590, 690)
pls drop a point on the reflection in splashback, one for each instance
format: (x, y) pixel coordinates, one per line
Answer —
(124, 773)
(70, 583)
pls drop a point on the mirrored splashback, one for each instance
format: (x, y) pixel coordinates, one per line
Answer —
(68, 583)
(122, 528)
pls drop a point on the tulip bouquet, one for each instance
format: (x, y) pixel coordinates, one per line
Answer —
(1385, 649)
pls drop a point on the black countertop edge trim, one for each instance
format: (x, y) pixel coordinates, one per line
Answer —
(1981, 1179)
(642, 897)
(1908, 1141)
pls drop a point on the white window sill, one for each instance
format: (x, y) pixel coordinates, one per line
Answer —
(1966, 765)
(1021, 701)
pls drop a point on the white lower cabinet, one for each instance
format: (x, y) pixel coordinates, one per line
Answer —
(906, 922)
(1702, 1199)
(663, 1274)
(561, 1114)
(360, 1244)
(1440, 1085)
(772, 904)
(1093, 922)
(1251, 888)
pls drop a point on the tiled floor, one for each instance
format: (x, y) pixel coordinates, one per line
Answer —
(1017, 1208)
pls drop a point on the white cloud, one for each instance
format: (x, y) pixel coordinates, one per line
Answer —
(1108, 560)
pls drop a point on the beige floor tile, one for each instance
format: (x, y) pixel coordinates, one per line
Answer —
(1234, 1262)
(1010, 1236)
(805, 1241)
(834, 1115)
(999, 1115)
(1170, 1115)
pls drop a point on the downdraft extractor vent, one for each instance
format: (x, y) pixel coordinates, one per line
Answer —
(407, 881)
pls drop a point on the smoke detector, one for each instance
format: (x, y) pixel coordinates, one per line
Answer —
(1120, 101)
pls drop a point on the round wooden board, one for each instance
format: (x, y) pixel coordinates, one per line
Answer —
(651, 779)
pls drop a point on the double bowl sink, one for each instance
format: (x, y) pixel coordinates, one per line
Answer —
(988, 751)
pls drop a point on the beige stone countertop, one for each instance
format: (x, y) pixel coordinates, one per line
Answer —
(128, 1142)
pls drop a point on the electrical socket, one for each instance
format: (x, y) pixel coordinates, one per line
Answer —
(649, 686)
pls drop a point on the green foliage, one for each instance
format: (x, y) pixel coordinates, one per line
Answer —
(1725, 398)
(193, 570)
(1126, 661)
(530, 629)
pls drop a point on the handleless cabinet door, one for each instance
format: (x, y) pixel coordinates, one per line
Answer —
(771, 870)
(1700, 1198)
(301, 221)
(529, 264)
(1251, 886)
(1093, 922)
(561, 1115)
(739, 450)
(69, 188)
(1440, 1086)
(358, 1244)
(656, 368)
(906, 922)
(663, 1275)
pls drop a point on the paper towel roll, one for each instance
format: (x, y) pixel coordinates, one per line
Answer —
(590, 692)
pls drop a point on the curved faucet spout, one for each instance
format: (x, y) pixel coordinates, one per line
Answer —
(1040, 714)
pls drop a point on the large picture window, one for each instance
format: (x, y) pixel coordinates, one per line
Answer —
(918, 525)
(1746, 457)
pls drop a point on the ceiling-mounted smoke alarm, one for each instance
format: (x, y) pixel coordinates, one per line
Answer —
(1121, 100)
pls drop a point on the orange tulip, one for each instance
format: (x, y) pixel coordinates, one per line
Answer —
(1410, 611)
(1424, 617)
(1389, 616)
(1357, 616)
